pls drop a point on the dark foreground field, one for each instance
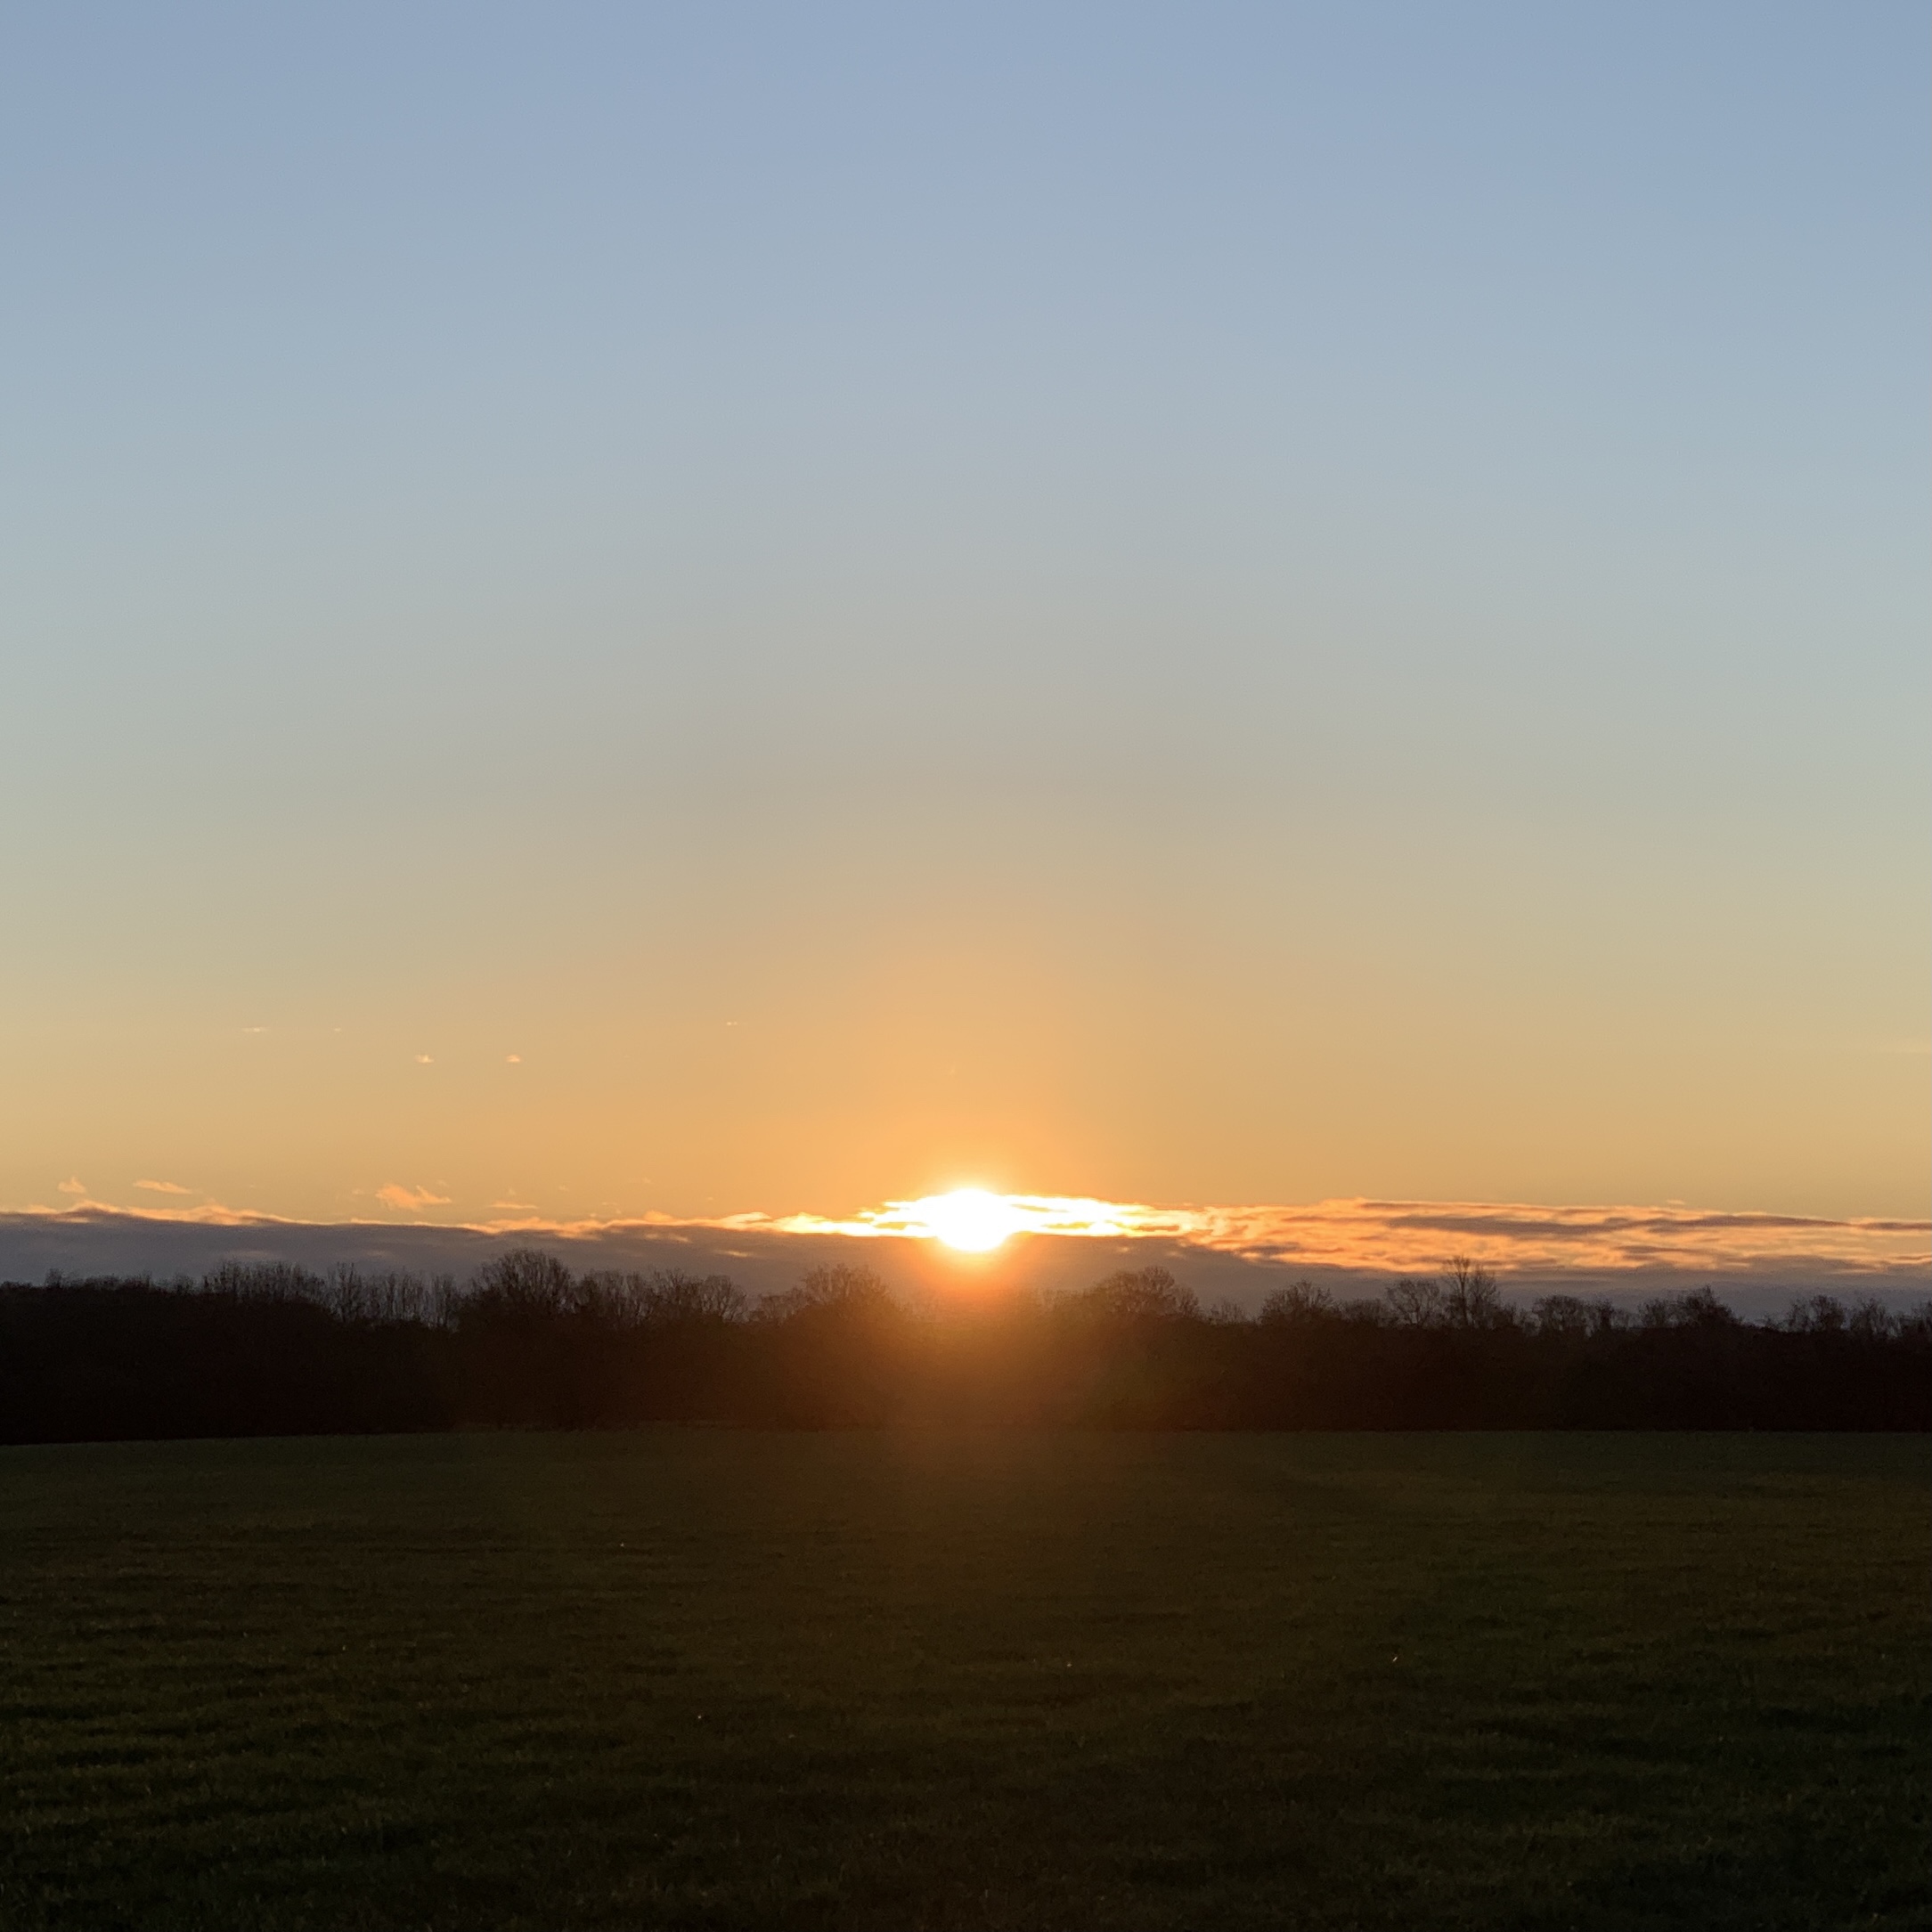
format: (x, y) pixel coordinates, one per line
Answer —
(721, 1678)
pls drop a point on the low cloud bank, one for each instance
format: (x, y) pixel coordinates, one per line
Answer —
(1755, 1261)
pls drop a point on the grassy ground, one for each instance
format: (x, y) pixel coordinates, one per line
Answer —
(711, 1678)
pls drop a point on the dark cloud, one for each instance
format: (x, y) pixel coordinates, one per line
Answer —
(92, 1240)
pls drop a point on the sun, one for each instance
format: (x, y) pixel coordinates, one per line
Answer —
(970, 1220)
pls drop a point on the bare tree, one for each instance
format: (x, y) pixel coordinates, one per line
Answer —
(1700, 1309)
(1137, 1294)
(849, 1287)
(1471, 1298)
(1573, 1318)
(1296, 1305)
(524, 1281)
(669, 1296)
(1416, 1303)
(1871, 1320)
(1816, 1315)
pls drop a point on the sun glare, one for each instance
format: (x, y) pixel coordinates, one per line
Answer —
(970, 1220)
(975, 1221)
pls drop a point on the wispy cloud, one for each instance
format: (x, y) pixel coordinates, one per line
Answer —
(1028, 1214)
(72, 1185)
(203, 1214)
(163, 1187)
(394, 1195)
(1416, 1237)
(1359, 1238)
(1398, 1235)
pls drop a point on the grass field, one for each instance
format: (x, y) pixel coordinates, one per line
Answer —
(715, 1678)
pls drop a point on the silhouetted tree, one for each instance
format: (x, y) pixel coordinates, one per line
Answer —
(842, 1287)
(1572, 1319)
(524, 1282)
(1416, 1303)
(1302, 1304)
(1699, 1309)
(1136, 1295)
(1471, 1298)
(263, 1349)
(670, 1297)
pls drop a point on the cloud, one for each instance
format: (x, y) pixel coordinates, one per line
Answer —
(513, 1059)
(1401, 1236)
(1533, 1247)
(394, 1195)
(73, 1185)
(1417, 1236)
(203, 1214)
(163, 1187)
(423, 1059)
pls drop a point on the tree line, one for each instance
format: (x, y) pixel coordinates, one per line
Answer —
(276, 1350)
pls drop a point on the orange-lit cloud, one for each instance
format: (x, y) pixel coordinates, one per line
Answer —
(163, 1187)
(1398, 1236)
(72, 1185)
(1025, 1214)
(1366, 1238)
(410, 1199)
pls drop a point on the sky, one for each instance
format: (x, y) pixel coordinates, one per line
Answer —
(715, 610)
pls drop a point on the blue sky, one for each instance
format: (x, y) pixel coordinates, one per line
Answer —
(1189, 603)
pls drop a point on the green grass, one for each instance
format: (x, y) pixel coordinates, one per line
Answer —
(713, 1679)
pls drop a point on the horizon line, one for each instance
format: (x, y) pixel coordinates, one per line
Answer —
(1354, 1233)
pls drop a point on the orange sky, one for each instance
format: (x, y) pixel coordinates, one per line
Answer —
(764, 618)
